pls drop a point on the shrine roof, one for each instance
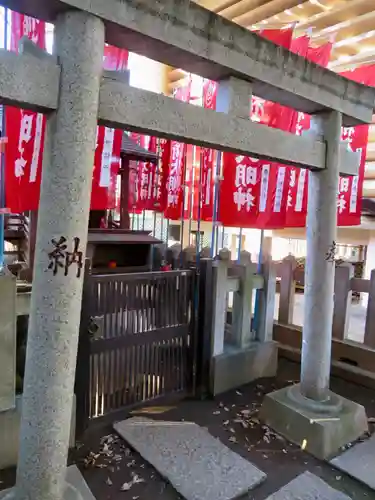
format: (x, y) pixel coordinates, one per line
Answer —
(133, 151)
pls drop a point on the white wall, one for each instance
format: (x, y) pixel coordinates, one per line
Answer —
(146, 74)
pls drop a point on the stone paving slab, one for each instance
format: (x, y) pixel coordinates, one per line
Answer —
(76, 486)
(359, 462)
(307, 486)
(198, 465)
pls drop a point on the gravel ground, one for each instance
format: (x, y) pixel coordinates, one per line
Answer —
(114, 472)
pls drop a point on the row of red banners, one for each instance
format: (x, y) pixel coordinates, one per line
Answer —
(252, 192)
(26, 131)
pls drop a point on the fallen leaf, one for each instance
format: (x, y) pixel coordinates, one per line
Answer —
(216, 413)
(233, 439)
(338, 478)
(232, 430)
(126, 486)
(109, 481)
(226, 409)
(226, 422)
(137, 479)
(239, 393)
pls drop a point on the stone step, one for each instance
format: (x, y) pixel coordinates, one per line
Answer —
(359, 462)
(198, 465)
(307, 486)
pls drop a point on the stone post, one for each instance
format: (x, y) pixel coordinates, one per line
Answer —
(58, 275)
(243, 302)
(220, 301)
(320, 265)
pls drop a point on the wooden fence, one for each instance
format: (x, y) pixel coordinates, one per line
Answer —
(351, 359)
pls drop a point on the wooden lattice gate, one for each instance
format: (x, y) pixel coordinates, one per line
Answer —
(136, 341)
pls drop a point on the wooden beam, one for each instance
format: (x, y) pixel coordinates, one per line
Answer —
(346, 64)
(215, 5)
(340, 13)
(265, 11)
(242, 7)
(345, 30)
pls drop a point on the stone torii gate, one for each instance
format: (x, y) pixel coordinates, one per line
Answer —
(72, 90)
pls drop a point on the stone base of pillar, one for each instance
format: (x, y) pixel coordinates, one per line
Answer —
(319, 428)
(236, 366)
(76, 487)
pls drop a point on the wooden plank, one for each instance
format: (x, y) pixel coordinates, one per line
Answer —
(351, 353)
(342, 301)
(370, 315)
(345, 371)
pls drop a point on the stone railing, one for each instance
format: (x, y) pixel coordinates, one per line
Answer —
(353, 325)
(241, 346)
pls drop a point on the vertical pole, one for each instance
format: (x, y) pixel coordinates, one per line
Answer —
(183, 209)
(154, 226)
(320, 265)
(215, 234)
(191, 195)
(239, 245)
(198, 242)
(57, 295)
(258, 292)
(222, 237)
(2, 166)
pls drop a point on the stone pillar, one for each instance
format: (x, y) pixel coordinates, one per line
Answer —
(309, 414)
(320, 265)
(58, 275)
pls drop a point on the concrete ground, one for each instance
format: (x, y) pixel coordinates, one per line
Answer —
(108, 465)
(357, 319)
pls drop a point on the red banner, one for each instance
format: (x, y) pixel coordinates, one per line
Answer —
(175, 188)
(240, 191)
(252, 193)
(30, 27)
(298, 177)
(350, 188)
(162, 175)
(149, 191)
(207, 158)
(25, 131)
(108, 144)
(272, 209)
